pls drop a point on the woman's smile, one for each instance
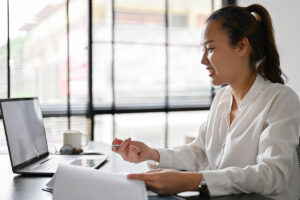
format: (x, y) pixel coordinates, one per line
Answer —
(211, 71)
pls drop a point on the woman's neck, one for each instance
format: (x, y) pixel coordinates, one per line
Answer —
(241, 86)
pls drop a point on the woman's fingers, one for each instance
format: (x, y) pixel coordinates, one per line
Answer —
(142, 177)
(164, 181)
(133, 154)
(124, 145)
(117, 141)
(151, 180)
(131, 151)
(123, 149)
(155, 170)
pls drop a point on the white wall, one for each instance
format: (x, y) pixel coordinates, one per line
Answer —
(286, 22)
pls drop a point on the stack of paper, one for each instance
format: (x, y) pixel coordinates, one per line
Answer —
(77, 183)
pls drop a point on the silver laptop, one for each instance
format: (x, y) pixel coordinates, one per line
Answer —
(27, 142)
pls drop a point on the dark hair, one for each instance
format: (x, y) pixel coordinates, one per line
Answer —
(254, 23)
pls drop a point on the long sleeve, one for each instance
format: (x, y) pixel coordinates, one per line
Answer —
(275, 159)
(190, 157)
(255, 153)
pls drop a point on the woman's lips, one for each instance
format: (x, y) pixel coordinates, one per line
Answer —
(211, 72)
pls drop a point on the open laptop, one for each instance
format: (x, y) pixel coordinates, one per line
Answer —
(27, 142)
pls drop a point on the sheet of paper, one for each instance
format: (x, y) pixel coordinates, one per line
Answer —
(50, 184)
(77, 183)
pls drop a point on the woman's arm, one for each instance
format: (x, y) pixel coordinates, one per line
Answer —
(163, 181)
(190, 157)
(276, 166)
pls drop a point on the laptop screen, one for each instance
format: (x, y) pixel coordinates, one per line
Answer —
(23, 123)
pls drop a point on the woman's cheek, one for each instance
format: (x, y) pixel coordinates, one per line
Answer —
(211, 58)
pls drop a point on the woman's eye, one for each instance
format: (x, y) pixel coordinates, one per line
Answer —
(210, 49)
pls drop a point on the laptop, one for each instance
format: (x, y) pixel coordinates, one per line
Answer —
(27, 142)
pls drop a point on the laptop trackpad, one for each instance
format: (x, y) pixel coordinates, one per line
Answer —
(87, 162)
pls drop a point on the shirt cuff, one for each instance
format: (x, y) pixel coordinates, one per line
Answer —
(165, 160)
(217, 183)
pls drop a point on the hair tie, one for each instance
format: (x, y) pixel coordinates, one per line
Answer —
(253, 13)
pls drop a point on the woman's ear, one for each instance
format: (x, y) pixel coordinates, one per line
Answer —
(243, 46)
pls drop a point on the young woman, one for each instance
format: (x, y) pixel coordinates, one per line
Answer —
(248, 143)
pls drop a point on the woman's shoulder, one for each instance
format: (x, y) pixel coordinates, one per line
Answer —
(280, 101)
(280, 90)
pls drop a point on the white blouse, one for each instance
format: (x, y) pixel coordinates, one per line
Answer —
(256, 153)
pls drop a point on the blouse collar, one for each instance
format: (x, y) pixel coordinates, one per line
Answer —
(254, 91)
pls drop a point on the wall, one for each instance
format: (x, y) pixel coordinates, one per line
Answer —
(285, 16)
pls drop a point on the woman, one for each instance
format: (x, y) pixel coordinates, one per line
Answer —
(248, 143)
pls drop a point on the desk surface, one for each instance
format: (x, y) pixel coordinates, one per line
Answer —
(17, 187)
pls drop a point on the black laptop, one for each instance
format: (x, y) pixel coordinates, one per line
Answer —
(27, 142)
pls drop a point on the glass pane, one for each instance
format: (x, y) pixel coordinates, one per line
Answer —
(140, 75)
(102, 87)
(140, 21)
(54, 127)
(102, 53)
(187, 18)
(189, 80)
(3, 49)
(102, 20)
(184, 126)
(146, 127)
(78, 54)
(38, 50)
(81, 124)
(103, 131)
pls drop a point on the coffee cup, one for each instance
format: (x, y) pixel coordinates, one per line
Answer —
(75, 138)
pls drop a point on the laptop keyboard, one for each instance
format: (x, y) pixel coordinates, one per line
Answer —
(48, 165)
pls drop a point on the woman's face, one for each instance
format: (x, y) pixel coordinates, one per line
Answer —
(221, 59)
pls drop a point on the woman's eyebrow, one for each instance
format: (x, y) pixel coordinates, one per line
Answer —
(208, 41)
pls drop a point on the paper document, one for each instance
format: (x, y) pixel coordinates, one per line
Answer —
(77, 183)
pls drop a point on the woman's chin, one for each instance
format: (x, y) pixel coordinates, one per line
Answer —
(217, 82)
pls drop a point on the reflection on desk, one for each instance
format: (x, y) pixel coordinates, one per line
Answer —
(17, 187)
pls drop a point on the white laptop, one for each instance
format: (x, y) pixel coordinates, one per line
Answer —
(27, 142)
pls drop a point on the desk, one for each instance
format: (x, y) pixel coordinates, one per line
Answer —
(17, 187)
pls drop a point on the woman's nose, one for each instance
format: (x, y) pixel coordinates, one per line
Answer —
(204, 59)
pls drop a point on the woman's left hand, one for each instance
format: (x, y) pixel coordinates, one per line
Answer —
(165, 181)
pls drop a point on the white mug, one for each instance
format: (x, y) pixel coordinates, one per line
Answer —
(75, 138)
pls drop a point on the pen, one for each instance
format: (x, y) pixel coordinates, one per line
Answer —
(115, 146)
(47, 190)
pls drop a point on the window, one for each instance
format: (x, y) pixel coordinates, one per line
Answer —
(3, 65)
(145, 64)
(146, 58)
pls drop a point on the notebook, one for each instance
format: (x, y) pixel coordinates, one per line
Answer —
(27, 142)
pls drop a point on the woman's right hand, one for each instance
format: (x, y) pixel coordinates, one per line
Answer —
(134, 151)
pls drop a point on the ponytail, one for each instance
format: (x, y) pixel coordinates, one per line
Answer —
(269, 66)
(254, 23)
